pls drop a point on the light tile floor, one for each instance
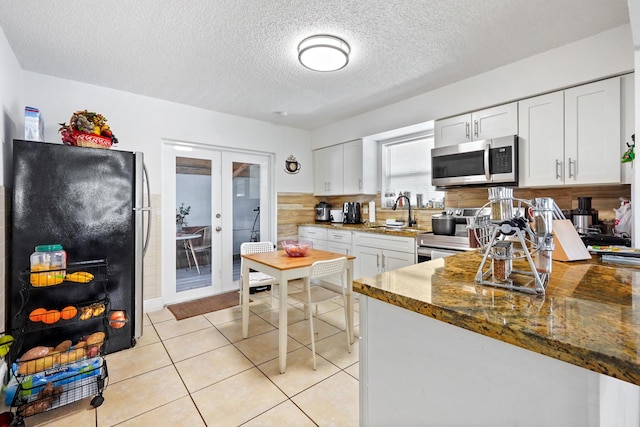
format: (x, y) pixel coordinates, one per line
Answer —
(200, 372)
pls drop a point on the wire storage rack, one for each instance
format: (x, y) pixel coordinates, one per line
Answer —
(58, 386)
(56, 357)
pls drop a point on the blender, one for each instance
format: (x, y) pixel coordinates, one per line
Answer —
(585, 219)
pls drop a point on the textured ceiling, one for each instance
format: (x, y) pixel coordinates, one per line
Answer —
(240, 56)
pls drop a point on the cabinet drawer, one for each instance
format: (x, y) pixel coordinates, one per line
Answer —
(339, 248)
(313, 232)
(342, 236)
(393, 243)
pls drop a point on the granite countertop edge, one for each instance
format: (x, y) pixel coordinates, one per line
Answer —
(621, 363)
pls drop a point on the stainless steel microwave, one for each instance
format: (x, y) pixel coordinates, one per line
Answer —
(477, 163)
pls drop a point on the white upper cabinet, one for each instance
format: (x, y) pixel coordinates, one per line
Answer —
(360, 167)
(572, 136)
(328, 165)
(453, 130)
(541, 140)
(477, 126)
(592, 133)
(349, 168)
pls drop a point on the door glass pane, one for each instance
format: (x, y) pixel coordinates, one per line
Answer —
(193, 223)
(246, 208)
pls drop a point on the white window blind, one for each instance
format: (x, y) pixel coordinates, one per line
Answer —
(407, 167)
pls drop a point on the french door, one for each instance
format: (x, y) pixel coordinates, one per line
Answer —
(219, 198)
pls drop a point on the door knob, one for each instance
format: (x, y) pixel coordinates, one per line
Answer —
(218, 228)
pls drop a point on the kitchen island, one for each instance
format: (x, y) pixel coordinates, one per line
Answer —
(439, 349)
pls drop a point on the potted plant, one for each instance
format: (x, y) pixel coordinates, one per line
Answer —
(181, 214)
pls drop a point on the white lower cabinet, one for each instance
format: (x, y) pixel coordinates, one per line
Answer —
(377, 253)
(338, 241)
(316, 235)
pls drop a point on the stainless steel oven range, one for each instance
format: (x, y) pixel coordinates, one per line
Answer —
(434, 246)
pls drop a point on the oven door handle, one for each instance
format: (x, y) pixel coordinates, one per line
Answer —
(487, 172)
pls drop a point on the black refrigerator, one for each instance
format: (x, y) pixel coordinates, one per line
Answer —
(92, 202)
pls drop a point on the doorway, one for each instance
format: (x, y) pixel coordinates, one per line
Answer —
(220, 198)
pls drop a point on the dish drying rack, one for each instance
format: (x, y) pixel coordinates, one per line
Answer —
(504, 237)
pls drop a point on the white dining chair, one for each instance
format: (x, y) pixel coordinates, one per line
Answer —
(317, 291)
(256, 278)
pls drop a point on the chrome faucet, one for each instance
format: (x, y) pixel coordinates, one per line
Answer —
(411, 222)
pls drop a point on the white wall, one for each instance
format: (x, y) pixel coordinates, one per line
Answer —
(602, 55)
(11, 119)
(140, 123)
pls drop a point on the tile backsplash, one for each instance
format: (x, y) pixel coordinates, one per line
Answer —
(603, 198)
(297, 208)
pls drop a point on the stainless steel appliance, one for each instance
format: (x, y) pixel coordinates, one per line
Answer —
(488, 162)
(585, 219)
(434, 246)
(443, 224)
(91, 202)
(323, 212)
(351, 213)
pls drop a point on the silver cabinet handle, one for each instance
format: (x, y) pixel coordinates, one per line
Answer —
(466, 126)
(383, 263)
(475, 128)
(378, 260)
(558, 166)
(572, 165)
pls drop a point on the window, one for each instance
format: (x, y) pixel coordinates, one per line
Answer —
(406, 168)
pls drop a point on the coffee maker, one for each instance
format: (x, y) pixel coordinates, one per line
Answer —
(351, 213)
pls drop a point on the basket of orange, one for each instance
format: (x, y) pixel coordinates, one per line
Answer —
(87, 129)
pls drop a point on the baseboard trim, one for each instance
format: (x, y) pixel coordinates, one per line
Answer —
(153, 305)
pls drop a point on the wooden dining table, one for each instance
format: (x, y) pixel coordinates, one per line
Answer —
(282, 267)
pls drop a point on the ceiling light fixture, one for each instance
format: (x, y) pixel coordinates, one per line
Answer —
(323, 53)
